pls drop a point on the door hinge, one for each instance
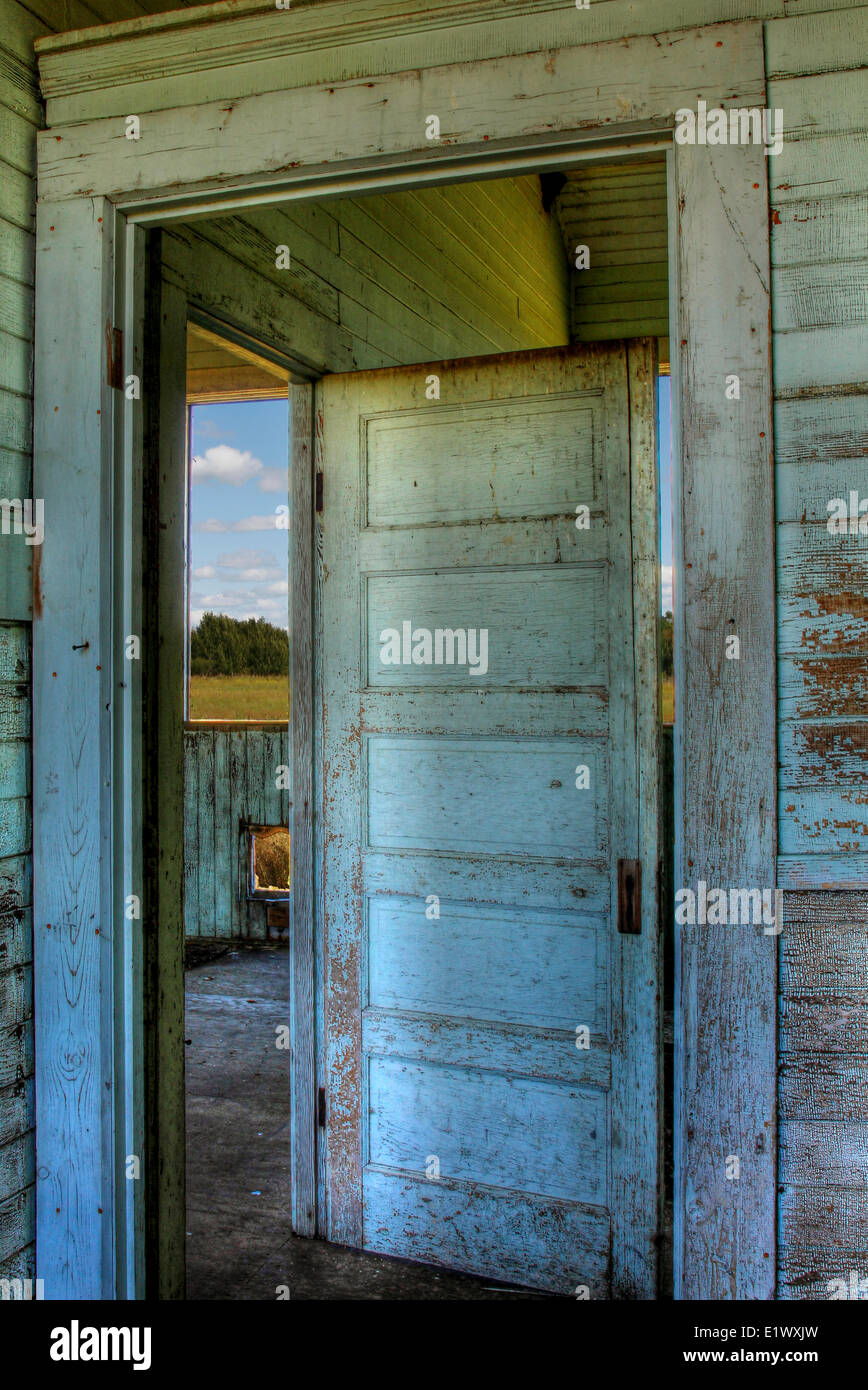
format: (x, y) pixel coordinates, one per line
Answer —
(318, 490)
(629, 897)
(321, 1108)
(114, 354)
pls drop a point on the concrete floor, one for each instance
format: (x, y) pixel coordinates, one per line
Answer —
(239, 1244)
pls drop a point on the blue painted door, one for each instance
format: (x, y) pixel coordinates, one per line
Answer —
(488, 683)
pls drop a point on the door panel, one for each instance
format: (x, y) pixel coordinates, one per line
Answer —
(489, 708)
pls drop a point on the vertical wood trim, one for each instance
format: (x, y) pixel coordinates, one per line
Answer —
(73, 686)
(636, 1080)
(129, 1080)
(166, 504)
(322, 1189)
(725, 723)
(301, 952)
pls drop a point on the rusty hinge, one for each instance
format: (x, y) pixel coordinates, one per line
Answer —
(114, 357)
(318, 490)
(629, 897)
(321, 1108)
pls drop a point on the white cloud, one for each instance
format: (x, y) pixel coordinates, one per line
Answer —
(218, 602)
(254, 576)
(246, 559)
(666, 587)
(225, 464)
(205, 572)
(273, 480)
(209, 429)
(256, 523)
(212, 526)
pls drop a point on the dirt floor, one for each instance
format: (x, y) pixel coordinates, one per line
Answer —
(239, 1244)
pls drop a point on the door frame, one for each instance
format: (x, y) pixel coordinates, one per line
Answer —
(96, 197)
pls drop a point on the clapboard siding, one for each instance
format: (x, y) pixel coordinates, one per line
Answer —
(819, 195)
(16, 946)
(230, 779)
(823, 1098)
(21, 115)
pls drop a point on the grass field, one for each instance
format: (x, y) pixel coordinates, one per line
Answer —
(239, 697)
(267, 697)
(667, 701)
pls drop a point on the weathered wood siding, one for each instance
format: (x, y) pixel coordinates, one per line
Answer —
(819, 191)
(21, 114)
(819, 195)
(230, 780)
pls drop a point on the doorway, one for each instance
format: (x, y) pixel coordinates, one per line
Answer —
(236, 838)
(359, 259)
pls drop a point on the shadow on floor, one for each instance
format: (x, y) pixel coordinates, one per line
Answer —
(239, 1245)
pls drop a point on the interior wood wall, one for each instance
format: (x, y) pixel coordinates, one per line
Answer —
(230, 780)
(379, 281)
(619, 213)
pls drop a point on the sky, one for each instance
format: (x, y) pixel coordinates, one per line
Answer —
(238, 554)
(239, 477)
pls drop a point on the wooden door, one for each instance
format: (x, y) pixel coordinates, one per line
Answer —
(488, 688)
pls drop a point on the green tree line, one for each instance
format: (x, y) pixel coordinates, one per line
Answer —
(222, 646)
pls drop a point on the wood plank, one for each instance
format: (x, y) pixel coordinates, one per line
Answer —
(21, 1265)
(819, 754)
(806, 359)
(577, 88)
(376, 38)
(73, 965)
(825, 820)
(16, 884)
(191, 833)
(300, 752)
(826, 426)
(824, 1232)
(17, 135)
(823, 1030)
(803, 492)
(830, 1085)
(236, 294)
(820, 231)
(239, 875)
(16, 928)
(821, 166)
(471, 1214)
(208, 885)
(224, 836)
(16, 476)
(164, 752)
(803, 44)
(16, 1056)
(16, 1115)
(823, 580)
(16, 422)
(16, 351)
(466, 1042)
(828, 871)
(724, 1051)
(821, 296)
(17, 1222)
